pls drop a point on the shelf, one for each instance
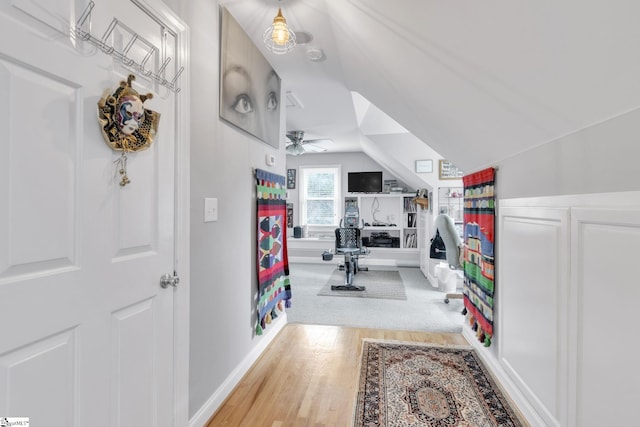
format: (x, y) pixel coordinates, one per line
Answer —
(381, 228)
(391, 208)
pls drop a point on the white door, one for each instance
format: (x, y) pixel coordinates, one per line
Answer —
(86, 331)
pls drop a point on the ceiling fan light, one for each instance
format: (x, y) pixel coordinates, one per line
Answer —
(294, 149)
(278, 37)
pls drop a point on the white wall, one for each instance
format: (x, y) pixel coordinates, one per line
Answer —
(223, 253)
(601, 158)
(350, 162)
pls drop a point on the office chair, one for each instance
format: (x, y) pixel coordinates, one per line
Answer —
(349, 244)
(453, 246)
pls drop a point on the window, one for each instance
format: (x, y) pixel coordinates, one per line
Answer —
(320, 195)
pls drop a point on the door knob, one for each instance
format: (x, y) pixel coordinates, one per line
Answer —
(167, 280)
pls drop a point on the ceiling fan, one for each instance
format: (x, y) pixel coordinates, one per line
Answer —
(298, 145)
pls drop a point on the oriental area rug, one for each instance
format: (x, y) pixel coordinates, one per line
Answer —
(414, 384)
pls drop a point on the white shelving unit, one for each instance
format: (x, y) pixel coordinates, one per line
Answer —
(391, 220)
(409, 223)
(451, 202)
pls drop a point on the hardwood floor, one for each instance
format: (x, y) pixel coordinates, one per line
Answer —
(308, 377)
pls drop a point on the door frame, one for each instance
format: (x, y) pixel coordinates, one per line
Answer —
(181, 294)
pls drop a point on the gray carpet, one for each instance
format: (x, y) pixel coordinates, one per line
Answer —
(377, 283)
(423, 310)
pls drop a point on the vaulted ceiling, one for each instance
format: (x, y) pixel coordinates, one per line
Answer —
(477, 81)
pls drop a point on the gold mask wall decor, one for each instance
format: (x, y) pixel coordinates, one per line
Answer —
(126, 124)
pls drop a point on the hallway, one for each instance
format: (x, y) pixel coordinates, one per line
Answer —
(308, 377)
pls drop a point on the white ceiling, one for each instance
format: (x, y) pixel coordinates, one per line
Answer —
(478, 81)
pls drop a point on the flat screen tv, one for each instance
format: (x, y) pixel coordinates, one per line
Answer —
(364, 182)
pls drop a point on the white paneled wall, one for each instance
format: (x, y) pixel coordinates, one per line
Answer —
(533, 252)
(605, 374)
(566, 303)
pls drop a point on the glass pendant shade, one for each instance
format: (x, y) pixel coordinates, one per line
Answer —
(278, 38)
(295, 149)
(280, 33)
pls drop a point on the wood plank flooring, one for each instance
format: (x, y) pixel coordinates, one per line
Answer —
(308, 377)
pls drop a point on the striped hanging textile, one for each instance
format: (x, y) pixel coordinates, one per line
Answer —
(273, 263)
(479, 225)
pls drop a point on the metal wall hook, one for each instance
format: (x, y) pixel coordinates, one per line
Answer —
(82, 31)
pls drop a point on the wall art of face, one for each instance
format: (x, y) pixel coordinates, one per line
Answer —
(249, 86)
(130, 114)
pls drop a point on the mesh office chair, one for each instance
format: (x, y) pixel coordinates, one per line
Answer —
(349, 244)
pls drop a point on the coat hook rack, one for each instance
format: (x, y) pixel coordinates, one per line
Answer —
(136, 40)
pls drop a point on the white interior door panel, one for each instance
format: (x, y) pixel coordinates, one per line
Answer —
(86, 331)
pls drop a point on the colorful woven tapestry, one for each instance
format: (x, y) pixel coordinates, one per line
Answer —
(479, 224)
(273, 263)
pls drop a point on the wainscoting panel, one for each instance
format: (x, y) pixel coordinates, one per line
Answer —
(604, 368)
(533, 270)
(564, 344)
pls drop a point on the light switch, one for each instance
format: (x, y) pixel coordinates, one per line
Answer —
(210, 209)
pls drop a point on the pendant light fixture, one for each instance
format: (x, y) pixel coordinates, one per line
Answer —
(279, 38)
(294, 149)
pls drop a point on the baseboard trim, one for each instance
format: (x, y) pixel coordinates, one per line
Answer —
(202, 416)
(500, 375)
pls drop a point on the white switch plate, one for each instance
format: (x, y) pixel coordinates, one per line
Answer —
(210, 209)
(270, 159)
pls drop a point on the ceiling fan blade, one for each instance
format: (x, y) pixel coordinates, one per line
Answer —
(317, 141)
(314, 148)
(298, 145)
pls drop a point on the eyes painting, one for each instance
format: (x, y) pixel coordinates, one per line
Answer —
(250, 88)
(243, 104)
(272, 101)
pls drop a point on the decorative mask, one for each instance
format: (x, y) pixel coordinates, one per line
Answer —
(126, 125)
